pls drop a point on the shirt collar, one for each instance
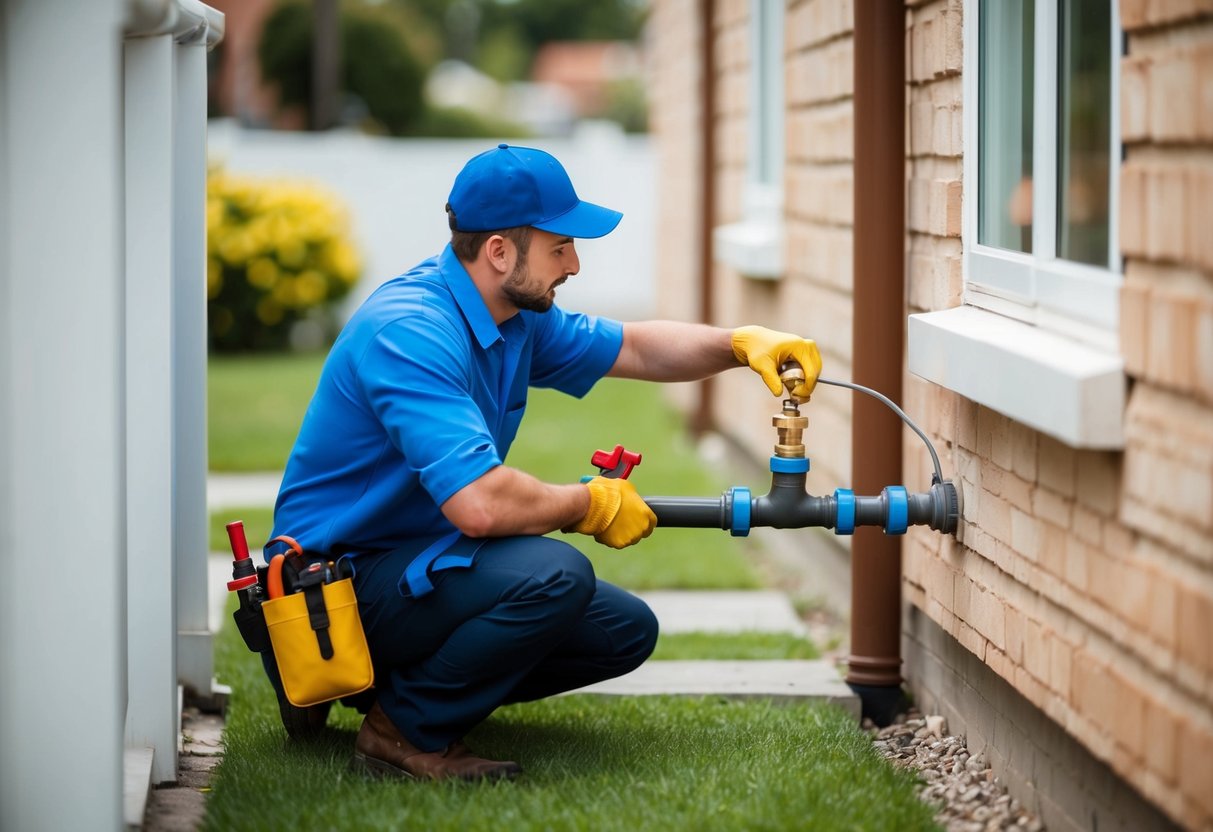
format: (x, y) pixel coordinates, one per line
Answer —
(467, 296)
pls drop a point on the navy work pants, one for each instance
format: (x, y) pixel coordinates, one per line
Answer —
(527, 620)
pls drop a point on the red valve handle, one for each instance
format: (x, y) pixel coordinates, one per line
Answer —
(616, 464)
(244, 574)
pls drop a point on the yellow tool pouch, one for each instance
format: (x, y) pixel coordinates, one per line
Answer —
(318, 640)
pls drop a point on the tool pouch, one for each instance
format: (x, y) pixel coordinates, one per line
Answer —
(317, 637)
(250, 621)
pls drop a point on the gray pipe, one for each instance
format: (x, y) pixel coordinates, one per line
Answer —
(691, 512)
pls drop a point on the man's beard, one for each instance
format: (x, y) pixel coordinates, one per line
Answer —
(515, 288)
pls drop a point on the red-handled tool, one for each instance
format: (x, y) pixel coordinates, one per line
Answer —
(248, 617)
(244, 573)
(616, 464)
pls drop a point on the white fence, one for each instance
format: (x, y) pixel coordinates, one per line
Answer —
(102, 400)
(396, 188)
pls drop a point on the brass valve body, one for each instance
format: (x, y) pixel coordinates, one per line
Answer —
(790, 426)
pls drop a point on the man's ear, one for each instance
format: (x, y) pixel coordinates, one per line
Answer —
(498, 252)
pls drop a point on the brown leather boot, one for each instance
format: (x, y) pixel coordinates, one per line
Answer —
(382, 750)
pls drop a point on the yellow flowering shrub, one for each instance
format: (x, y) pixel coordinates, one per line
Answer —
(278, 253)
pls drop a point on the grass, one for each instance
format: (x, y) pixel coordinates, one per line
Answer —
(255, 404)
(740, 646)
(257, 524)
(600, 763)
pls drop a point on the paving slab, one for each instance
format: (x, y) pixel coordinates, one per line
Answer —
(242, 490)
(724, 611)
(814, 680)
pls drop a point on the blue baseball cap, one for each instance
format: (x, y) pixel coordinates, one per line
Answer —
(507, 187)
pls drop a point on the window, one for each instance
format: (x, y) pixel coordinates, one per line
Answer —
(1041, 97)
(754, 246)
(1040, 248)
(765, 172)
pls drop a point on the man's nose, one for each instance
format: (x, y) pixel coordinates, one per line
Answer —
(575, 264)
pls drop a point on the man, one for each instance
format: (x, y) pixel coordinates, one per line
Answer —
(399, 465)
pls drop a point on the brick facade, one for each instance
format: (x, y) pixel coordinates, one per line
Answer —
(1082, 579)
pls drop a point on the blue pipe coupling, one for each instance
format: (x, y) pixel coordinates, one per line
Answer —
(897, 509)
(894, 507)
(739, 525)
(844, 520)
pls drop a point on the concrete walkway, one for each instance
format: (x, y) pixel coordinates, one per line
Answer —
(224, 491)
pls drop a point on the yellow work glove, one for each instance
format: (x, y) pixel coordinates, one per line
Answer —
(765, 349)
(617, 516)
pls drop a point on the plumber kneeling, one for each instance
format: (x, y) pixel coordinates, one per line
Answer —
(399, 468)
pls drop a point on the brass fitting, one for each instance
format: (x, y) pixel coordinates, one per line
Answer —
(790, 426)
(792, 374)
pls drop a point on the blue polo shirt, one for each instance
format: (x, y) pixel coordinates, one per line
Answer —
(421, 394)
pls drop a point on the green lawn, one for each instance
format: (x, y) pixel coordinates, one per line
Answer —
(255, 404)
(592, 763)
(747, 646)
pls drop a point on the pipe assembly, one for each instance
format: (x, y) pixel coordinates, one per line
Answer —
(790, 506)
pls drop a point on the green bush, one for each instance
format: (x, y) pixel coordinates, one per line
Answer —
(284, 53)
(462, 123)
(377, 64)
(627, 105)
(278, 253)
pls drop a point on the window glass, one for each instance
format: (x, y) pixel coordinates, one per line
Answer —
(1084, 140)
(766, 93)
(1005, 76)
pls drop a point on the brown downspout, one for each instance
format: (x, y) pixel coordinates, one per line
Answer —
(874, 666)
(702, 419)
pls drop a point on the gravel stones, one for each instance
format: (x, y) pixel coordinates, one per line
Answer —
(961, 785)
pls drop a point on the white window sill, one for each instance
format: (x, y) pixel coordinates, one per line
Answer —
(1071, 391)
(754, 247)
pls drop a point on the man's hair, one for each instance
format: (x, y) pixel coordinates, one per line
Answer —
(466, 244)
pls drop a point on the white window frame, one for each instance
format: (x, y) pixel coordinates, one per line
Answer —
(1078, 300)
(754, 246)
(1037, 338)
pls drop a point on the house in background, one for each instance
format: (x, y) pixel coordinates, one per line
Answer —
(586, 70)
(236, 87)
(997, 213)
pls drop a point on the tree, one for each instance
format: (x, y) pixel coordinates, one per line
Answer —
(506, 29)
(377, 64)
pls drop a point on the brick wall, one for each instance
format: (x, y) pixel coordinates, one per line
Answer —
(813, 296)
(1082, 580)
(818, 207)
(675, 118)
(1085, 579)
(674, 115)
(737, 408)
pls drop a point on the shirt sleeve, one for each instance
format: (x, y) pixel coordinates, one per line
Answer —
(572, 350)
(416, 377)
